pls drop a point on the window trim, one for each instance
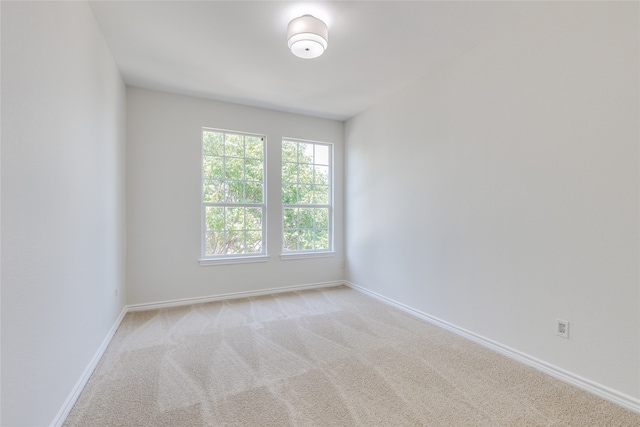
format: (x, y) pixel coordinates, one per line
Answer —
(220, 259)
(204, 262)
(306, 255)
(310, 253)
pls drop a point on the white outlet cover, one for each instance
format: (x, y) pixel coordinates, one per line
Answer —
(562, 328)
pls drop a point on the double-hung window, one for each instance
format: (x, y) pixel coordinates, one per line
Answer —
(233, 195)
(307, 197)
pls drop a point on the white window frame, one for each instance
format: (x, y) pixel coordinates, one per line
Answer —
(310, 253)
(233, 258)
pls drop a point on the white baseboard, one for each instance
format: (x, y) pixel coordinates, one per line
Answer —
(233, 295)
(77, 389)
(600, 390)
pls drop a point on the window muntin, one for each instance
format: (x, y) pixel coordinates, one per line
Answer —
(233, 199)
(306, 196)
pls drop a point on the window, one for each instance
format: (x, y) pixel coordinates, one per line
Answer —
(233, 199)
(306, 197)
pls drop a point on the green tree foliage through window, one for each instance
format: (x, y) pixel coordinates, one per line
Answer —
(306, 196)
(232, 193)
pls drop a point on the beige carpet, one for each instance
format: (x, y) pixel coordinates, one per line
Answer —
(329, 357)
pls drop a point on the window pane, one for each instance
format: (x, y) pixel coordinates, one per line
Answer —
(305, 174)
(289, 172)
(306, 239)
(306, 218)
(213, 191)
(305, 152)
(322, 239)
(213, 143)
(321, 155)
(254, 170)
(235, 192)
(214, 243)
(254, 242)
(289, 194)
(234, 169)
(235, 242)
(291, 240)
(253, 192)
(322, 218)
(289, 151)
(235, 218)
(214, 218)
(234, 145)
(321, 195)
(254, 147)
(290, 218)
(213, 167)
(253, 219)
(305, 194)
(321, 175)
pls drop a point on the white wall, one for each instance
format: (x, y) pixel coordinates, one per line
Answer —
(63, 133)
(163, 198)
(502, 191)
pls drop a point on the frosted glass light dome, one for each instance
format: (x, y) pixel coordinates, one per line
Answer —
(307, 37)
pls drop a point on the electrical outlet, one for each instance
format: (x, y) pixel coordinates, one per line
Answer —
(562, 328)
(341, 264)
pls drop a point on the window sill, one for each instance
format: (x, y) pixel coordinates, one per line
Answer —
(306, 255)
(236, 260)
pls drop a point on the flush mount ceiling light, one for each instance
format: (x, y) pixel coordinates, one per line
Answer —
(307, 37)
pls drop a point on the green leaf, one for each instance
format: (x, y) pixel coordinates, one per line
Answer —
(212, 167)
(234, 145)
(305, 194)
(289, 194)
(305, 174)
(290, 218)
(234, 168)
(322, 239)
(307, 238)
(253, 192)
(254, 170)
(214, 218)
(321, 194)
(306, 218)
(289, 172)
(321, 218)
(289, 152)
(254, 147)
(213, 191)
(213, 143)
(235, 218)
(321, 175)
(234, 192)
(253, 219)
(305, 152)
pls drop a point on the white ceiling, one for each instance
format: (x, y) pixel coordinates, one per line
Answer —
(236, 51)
